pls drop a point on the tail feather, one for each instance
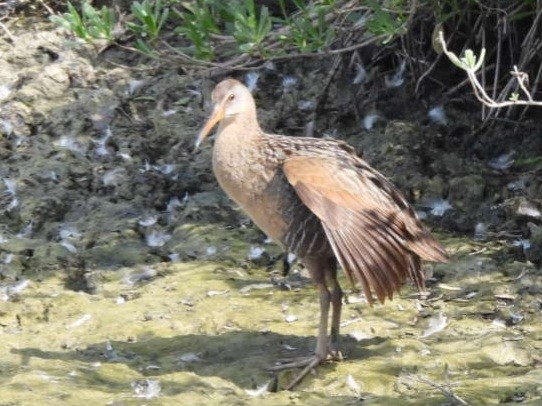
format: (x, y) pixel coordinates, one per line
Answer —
(379, 259)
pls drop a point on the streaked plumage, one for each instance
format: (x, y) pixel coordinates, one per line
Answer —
(319, 200)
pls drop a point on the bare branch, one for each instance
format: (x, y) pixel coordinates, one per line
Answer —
(8, 33)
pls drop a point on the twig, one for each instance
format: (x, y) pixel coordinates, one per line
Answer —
(49, 9)
(444, 389)
(8, 33)
(323, 94)
(454, 89)
(464, 82)
(231, 65)
(523, 272)
(244, 63)
(425, 74)
(470, 65)
(353, 47)
(132, 68)
(498, 63)
(484, 70)
(529, 49)
(533, 89)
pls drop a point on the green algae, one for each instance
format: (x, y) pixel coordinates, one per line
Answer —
(205, 339)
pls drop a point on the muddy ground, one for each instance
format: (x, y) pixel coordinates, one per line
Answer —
(127, 277)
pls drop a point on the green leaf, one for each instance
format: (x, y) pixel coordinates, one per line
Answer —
(481, 60)
(142, 46)
(469, 59)
(247, 47)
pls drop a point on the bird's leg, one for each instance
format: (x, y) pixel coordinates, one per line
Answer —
(336, 304)
(321, 351)
(318, 273)
(320, 354)
(321, 341)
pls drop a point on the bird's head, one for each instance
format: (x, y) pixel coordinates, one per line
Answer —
(230, 98)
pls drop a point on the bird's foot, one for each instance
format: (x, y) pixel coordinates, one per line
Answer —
(308, 363)
(333, 352)
(297, 362)
(335, 355)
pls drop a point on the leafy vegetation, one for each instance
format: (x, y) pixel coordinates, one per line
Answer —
(242, 33)
(90, 23)
(308, 28)
(249, 28)
(150, 17)
(386, 23)
(197, 25)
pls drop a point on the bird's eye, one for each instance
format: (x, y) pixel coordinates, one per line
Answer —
(231, 97)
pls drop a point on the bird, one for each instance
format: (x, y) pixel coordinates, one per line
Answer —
(318, 199)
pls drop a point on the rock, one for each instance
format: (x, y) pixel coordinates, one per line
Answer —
(534, 253)
(449, 163)
(508, 353)
(435, 186)
(466, 191)
(520, 209)
(458, 221)
(528, 209)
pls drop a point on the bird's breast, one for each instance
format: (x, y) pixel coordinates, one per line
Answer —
(253, 184)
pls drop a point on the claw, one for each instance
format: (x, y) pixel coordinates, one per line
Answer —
(335, 355)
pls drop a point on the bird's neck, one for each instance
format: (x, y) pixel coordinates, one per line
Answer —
(240, 130)
(238, 146)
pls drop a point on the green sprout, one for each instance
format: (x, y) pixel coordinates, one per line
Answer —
(90, 24)
(150, 18)
(198, 25)
(249, 29)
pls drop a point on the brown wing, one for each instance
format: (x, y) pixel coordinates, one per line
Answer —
(372, 229)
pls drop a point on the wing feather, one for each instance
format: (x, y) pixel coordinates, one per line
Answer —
(372, 229)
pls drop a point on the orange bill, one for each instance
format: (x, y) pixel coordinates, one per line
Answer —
(216, 116)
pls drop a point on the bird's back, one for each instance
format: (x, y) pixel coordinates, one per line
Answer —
(354, 211)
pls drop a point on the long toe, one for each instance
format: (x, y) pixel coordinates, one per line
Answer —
(290, 363)
(316, 360)
(333, 352)
(307, 363)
